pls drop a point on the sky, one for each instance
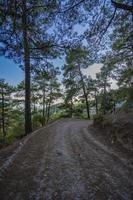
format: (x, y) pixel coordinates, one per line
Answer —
(95, 68)
(12, 74)
(92, 70)
(10, 71)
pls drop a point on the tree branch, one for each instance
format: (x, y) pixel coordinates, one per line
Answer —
(122, 6)
(61, 11)
(110, 21)
(50, 46)
(73, 6)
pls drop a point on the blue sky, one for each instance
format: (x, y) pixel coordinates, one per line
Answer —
(10, 71)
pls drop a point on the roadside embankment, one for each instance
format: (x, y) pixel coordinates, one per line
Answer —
(116, 128)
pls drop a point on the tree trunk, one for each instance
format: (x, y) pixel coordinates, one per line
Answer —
(85, 94)
(43, 111)
(105, 97)
(28, 124)
(87, 106)
(34, 111)
(48, 111)
(114, 106)
(71, 108)
(3, 116)
(96, 103)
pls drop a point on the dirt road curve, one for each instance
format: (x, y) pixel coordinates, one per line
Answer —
(64, 162)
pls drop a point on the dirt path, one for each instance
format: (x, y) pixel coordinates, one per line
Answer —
(64, 162)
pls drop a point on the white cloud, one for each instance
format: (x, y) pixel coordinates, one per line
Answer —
(114, 84)
(92, 70)
(95, 68)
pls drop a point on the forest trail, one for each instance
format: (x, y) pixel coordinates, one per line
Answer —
(63, 161)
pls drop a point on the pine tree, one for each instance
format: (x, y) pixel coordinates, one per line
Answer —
(71, 88)
(5, 107)
(122, 54)
(76, 60)
(24, 37)
(95, 94)
(103, 78)
(48, 88)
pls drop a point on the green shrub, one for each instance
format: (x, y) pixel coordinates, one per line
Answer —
(16, 131)
(37, 120)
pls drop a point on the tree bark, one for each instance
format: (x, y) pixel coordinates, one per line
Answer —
(28, 124)
(105, 97)
(43, 112)
(3, 116)
(34, 124)
(71, 108)
(85, 94)
(48, 111)
(114, 106)
(96, 103)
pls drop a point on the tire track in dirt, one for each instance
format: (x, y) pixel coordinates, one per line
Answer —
(64, 162)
